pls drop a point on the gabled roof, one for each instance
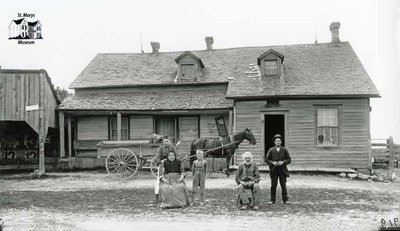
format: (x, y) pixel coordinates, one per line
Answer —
(33, 23)
(191, 55)
(309, 70)
(268, 52)
(18, 21)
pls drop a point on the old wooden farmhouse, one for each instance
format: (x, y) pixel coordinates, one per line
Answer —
(317, 96)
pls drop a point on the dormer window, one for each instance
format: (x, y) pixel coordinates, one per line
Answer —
(271, 63)
(271, 67)
(189, 67)
(187, 71)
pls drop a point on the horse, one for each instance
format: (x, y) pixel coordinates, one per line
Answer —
(157, 139)
(205, 143)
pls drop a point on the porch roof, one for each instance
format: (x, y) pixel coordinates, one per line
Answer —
(149, 101)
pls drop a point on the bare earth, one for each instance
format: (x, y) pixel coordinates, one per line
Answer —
(94, 201)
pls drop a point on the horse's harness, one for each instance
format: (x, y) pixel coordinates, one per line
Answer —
(231, 140)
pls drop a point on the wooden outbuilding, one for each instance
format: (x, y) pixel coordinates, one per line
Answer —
(27, 119)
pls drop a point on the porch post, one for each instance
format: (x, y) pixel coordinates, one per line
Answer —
(230, 123)
(118, 125)
(69, 136)
(62, 139)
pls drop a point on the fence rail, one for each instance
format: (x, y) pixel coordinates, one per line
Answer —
(384, 153)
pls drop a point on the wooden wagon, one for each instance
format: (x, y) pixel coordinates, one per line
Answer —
(124, 158)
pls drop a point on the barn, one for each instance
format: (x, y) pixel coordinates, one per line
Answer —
(317, 96)
(27, 109)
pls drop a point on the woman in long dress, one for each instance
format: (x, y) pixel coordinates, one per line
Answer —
(173, 191)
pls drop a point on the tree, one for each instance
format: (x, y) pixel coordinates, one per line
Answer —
(62, 93)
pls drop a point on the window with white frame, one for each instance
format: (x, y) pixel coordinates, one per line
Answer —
(124, 129)
(327, 126)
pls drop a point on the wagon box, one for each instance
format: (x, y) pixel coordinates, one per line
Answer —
(138, 147)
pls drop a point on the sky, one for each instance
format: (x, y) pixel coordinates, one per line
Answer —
(75, 31)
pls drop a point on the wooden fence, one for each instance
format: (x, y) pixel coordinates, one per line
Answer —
(384, 153)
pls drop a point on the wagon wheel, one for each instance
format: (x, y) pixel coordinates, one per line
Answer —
(153, 166)
(122, 163)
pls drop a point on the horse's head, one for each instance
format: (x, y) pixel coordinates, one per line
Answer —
(249, 136)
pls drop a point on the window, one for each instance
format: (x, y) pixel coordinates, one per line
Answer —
(124, 129)
(187, 71)
(271, 67)
(165, 125)
(188, 128)
(327, 126)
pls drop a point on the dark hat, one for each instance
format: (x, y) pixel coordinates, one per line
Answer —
(277, 136)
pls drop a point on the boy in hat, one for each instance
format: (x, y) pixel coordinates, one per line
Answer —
(277, 158)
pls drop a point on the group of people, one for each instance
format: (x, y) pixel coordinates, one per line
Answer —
(171, 190)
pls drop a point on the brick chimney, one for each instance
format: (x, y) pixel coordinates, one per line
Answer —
(155, 47)
(209, 42)
(334, 27)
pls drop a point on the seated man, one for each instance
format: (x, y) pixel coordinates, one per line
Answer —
(247, 177)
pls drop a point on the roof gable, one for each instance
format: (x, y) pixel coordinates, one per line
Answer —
(269, 52)
(191, 55)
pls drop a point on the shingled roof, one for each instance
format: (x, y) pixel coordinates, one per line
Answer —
(308, 70)
(172, 99)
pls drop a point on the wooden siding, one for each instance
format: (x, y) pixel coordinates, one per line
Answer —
(301, 129)
(141, 127)
(92, 128)
(208, 126)
(21, 89)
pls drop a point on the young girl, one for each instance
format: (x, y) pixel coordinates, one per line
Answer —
(199, 169)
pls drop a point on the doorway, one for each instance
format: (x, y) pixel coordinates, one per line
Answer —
(274, 124)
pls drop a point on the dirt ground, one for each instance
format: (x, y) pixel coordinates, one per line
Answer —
(94, 201)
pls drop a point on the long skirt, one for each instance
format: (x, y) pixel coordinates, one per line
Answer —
(173, 194)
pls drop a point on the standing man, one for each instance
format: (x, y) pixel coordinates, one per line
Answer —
(277, 158)
(164, 149)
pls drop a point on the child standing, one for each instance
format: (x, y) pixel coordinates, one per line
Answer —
(199, 169)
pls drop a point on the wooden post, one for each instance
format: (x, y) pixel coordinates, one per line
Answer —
(42, 128)
(62, 139)
(370, 155)
(234, 130)
(118, 125)
(391, 157)
(230, 123)
(69, 136)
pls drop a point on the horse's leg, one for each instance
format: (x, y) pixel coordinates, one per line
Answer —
(228, 161)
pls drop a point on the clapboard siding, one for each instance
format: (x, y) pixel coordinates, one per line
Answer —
(301, 131)
(19, 89)
(141, 127)
(92, 128)
(208, 126)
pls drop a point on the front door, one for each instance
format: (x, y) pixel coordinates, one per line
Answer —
(274, 124)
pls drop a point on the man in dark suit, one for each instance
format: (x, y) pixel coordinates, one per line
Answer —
(277, 158)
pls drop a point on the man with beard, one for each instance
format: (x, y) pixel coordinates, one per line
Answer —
(247, 177)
